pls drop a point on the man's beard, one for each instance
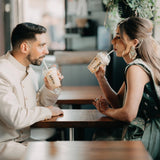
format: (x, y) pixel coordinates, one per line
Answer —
(37, 62)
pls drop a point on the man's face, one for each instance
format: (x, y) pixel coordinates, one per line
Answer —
(38, 49)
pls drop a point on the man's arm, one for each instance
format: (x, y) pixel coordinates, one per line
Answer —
(13, 115)
(47, 97)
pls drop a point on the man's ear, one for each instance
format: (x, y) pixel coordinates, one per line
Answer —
(24, 47)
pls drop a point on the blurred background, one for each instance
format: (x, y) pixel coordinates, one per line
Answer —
(77, 31)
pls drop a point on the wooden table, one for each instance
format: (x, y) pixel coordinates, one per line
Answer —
(79, 94)
(80, 118)
(87, 150)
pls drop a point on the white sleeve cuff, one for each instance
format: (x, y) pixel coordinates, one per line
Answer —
(48, 97)
(45, 113)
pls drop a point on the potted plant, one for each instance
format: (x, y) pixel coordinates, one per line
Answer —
(128, 8)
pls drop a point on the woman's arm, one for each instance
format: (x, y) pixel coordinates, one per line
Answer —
(136, 79)
(113, 98)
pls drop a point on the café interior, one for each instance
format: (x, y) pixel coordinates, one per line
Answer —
(76, 30)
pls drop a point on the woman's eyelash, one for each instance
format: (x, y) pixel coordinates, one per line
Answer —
(117, 37)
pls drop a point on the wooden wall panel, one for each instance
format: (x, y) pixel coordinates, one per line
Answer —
(2, 40)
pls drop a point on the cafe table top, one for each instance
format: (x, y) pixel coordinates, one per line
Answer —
(86, 150)
(81, 118)
(79, 94)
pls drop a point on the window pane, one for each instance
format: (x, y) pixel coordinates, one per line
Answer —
(51, 14)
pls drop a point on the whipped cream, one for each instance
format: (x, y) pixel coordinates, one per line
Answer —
(101, 59)
(105, 59)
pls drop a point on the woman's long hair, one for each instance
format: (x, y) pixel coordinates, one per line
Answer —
(148, 48)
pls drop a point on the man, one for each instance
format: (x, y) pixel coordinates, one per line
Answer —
(18, 98)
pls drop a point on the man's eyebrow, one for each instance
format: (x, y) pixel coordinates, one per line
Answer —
(42, 44)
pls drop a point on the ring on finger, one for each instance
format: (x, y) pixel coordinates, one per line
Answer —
(96, 99)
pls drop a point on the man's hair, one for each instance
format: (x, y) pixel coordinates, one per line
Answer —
(25, 31)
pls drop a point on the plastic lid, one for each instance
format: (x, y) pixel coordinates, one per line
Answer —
(105, 59)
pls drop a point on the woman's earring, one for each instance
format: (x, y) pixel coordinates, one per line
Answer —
(132, 53)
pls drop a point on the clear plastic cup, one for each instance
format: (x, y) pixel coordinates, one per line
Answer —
(101, 59)
(52, 77)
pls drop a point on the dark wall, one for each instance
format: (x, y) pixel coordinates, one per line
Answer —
(115, 72)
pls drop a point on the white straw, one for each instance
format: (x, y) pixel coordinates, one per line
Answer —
(110, 52)
(45, 64)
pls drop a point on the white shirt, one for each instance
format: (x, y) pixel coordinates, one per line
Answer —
(18, 101)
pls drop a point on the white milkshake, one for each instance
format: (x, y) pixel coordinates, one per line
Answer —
(101, 59)
(52, 76)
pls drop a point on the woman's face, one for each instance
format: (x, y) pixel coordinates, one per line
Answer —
(121, 46)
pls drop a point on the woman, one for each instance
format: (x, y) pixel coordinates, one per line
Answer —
(138, 100)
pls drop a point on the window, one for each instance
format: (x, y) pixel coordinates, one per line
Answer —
(49, 13)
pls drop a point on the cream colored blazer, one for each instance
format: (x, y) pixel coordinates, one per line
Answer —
(18, 100)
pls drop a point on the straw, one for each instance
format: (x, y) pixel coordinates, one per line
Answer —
(110, 52)
(45, 64)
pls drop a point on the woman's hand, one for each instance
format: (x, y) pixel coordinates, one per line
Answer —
(101, 104)
(101, 72)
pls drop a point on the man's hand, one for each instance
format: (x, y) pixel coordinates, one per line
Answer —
(47, 84)
(56, 111)
(60, 76)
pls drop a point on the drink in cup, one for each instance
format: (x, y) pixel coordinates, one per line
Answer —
(101, 59)
(52, 76)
